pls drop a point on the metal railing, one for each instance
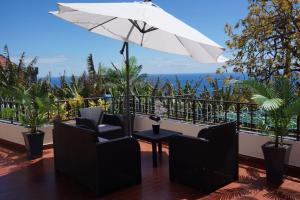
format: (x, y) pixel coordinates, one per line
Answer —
(196, 111)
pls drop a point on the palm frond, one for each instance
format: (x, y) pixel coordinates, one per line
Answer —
(33, 62)
(90, 65)
(267, 103)
(293, 108)
(260, 88)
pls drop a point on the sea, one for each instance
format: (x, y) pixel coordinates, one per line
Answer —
(183, 78)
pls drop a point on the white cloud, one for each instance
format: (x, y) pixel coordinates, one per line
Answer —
(52, 60)
(43, 60)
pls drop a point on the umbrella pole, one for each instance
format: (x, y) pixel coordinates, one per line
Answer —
(127, 95)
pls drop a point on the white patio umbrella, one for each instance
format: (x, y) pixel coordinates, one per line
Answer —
(144, 24)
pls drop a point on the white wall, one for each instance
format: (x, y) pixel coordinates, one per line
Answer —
(13, 133)
(143, 123)
(249, 145)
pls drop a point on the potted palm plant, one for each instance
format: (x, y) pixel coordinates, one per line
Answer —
(36, 104)
(279, 99)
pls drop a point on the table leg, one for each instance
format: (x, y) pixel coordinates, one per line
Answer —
(159, 148)
(154, 154)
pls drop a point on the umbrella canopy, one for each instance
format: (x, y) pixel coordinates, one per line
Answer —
(144, 24)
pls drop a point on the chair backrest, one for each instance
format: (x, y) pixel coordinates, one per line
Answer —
(93, 113)
(68, 132)
(219, 133)
(223, 139)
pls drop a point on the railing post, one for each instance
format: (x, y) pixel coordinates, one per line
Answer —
(238, 109)
(204, 111)
(176, 108)
(185, 110)
(168, 107)
(17, 112)
(298, 128)
(251, 118)
(194, 111)
(121, 104)
(86, 103)
(77, 109)
(214, 111)
(58, 112)
(152, 105)
(226, 111)
(139, 105)
(146, 105)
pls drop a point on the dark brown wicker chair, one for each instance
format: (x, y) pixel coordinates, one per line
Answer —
(101, 166)
(208, 161)
(106, 125)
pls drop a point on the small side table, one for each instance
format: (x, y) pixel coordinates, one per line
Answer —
(156, 140)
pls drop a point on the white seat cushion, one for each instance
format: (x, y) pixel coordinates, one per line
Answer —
(100, 139)
(108, 128)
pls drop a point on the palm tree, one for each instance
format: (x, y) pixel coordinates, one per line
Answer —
(136, 77)
(95, 82)
(18, 74)
(189, 89)
(279, 100)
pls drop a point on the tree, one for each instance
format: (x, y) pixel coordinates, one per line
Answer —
(118, 78)
(95, 82)
(20, 74)
(267, 41)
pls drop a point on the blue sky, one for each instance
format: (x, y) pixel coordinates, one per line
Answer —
(61, 46)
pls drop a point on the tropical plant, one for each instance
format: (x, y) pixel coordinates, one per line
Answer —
(37, 103)
(225, 89)
(279, 100)
(118, 77)
(8, 113)
(95, 82)
(12, 74)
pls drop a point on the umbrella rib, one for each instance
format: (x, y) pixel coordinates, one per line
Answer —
(150, 29)
(183, 45)
(135, 24)
(129, 33)
(103, 23)
(143, 33)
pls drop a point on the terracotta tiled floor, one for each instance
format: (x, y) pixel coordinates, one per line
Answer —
(22, 179)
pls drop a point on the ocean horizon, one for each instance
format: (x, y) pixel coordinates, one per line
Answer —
(183, 78)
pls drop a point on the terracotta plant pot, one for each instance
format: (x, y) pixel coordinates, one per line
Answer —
(34, 144)
(275, 161)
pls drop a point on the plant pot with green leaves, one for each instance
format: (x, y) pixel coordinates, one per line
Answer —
(280, 102)
(36, 104)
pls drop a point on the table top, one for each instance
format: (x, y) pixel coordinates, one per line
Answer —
(148, 135)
